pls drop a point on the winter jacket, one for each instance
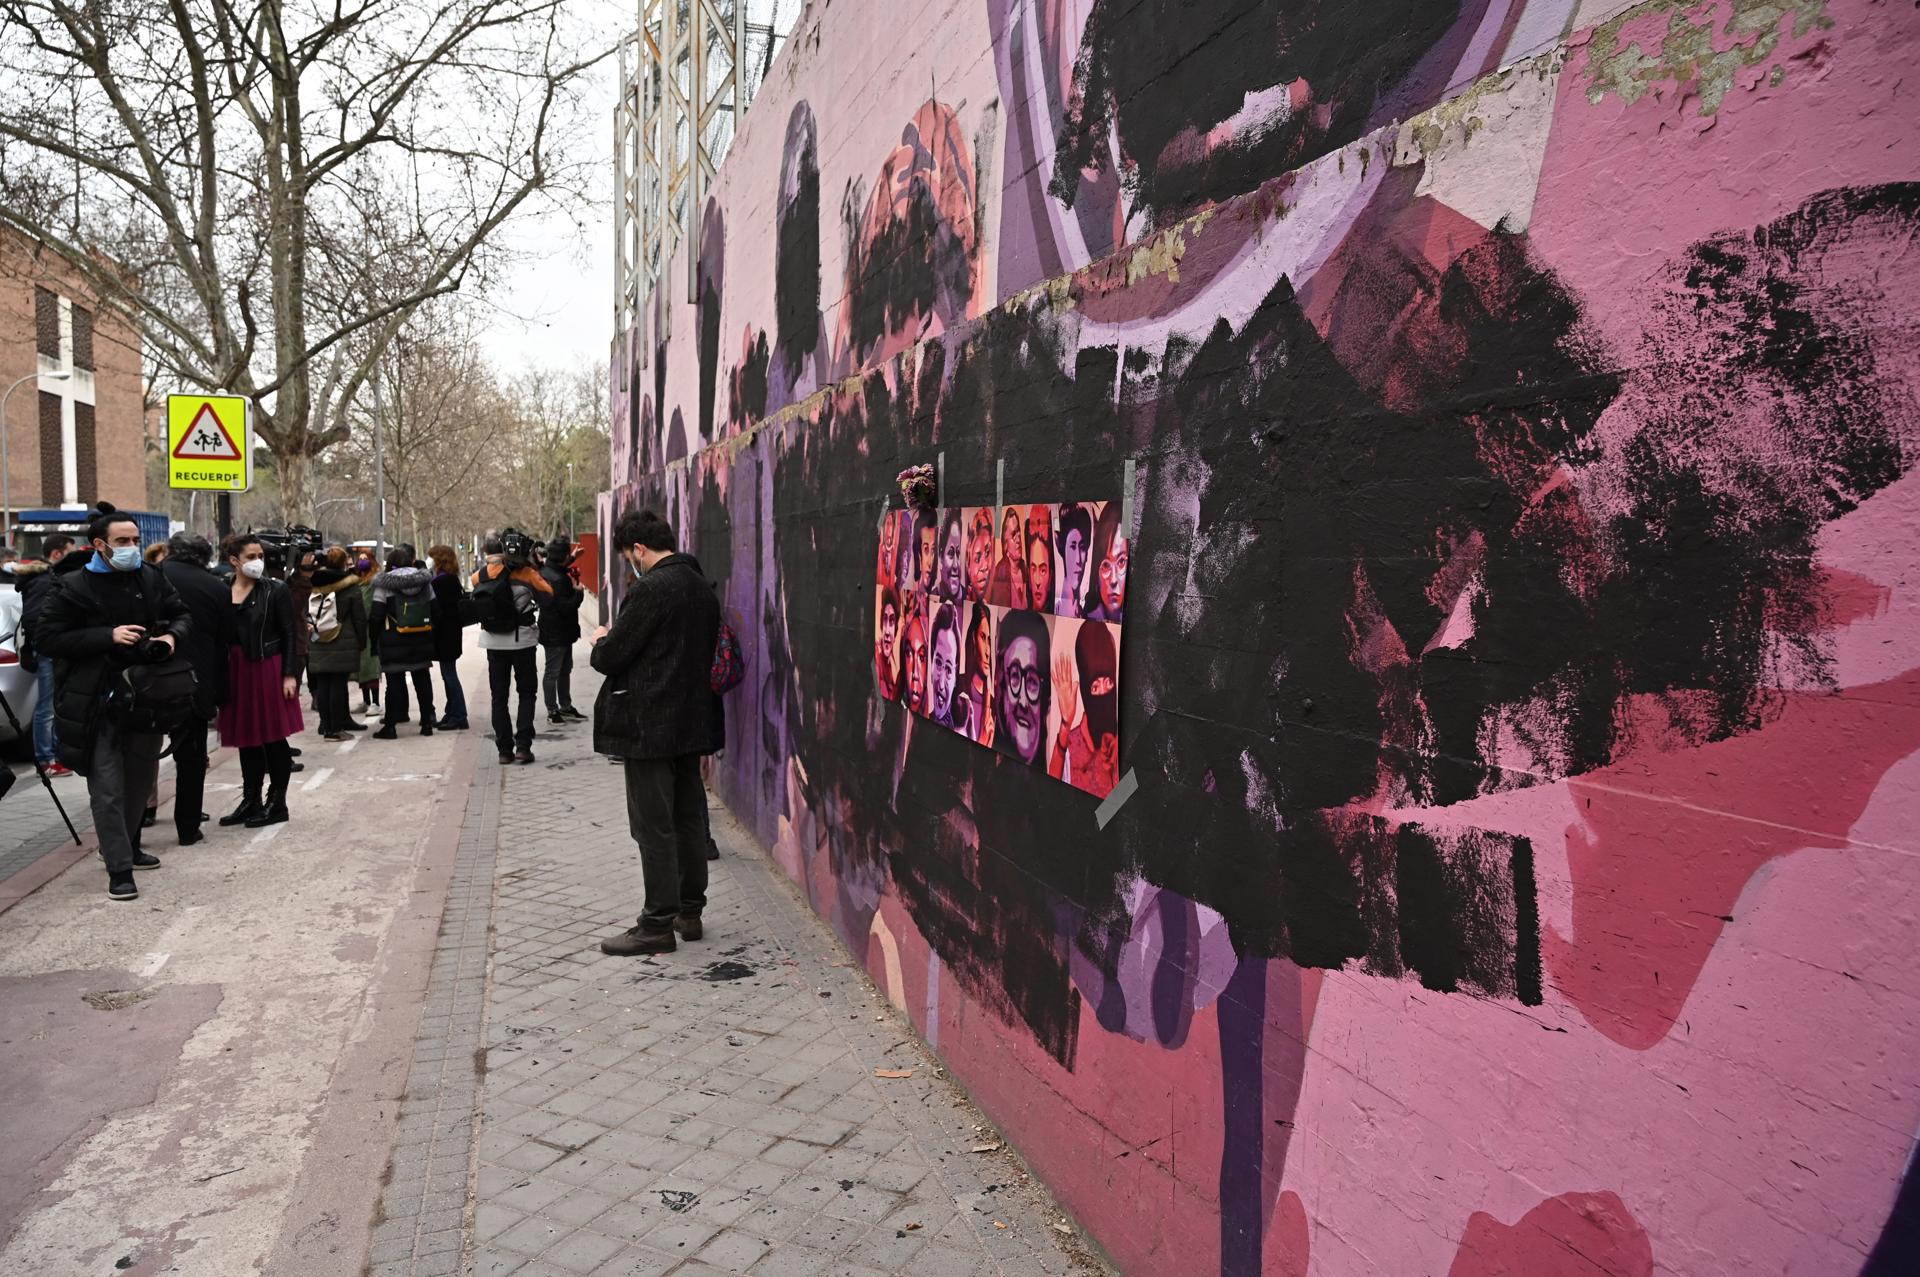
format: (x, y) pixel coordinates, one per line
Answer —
(530, 593)
(75, 627)
(210, 604)
(369, 669)
(29, 577)
(299, 589)
(264, 623)
(657, 700)
(448, 603)
(342, 655)
(397, 588)
(560, 618)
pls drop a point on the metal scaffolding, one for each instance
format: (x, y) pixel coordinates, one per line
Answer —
(684, 87)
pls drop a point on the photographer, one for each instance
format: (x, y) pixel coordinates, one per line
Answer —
(115, 613)
(508, 594)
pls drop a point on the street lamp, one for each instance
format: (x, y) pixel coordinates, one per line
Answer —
(6, 471)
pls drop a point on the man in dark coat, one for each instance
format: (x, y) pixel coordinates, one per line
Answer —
(33, 587)
(115, 612)
(559, 631)
(657, 710)
(210, 606)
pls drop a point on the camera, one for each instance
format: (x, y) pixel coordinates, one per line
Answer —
(517, 547)
(282, 546)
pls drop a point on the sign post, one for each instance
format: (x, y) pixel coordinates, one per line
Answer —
(209, 443)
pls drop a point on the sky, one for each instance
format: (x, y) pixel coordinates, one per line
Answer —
(556, 308)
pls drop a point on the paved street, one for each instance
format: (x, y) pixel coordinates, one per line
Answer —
(382, 1039)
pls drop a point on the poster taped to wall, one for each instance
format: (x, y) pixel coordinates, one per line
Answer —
(1007, 631)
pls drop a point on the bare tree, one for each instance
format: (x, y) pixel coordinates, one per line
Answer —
(269, 189)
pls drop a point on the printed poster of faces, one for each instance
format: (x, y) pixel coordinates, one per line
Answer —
(1009, 635)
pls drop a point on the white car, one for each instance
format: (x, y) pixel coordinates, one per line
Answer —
(20, 686)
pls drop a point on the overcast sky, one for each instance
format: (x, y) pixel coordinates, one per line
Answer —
(557, 309)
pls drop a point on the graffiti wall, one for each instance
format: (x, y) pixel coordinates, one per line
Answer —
(1513, 869)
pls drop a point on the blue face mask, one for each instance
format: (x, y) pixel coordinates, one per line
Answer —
(125, 558)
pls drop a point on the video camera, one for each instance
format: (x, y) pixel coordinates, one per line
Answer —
(517, 547)
(286, 545)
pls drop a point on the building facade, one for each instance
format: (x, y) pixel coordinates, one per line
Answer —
(79, 439)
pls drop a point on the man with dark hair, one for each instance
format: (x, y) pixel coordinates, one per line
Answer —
(657, 710)
(33, 587)
(210, 605)
(116, 612)
(559, 631)
(1022, 697)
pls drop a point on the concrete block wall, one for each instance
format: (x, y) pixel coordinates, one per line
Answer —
(1520, 676)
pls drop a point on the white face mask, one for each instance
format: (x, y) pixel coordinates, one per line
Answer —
(254, 568)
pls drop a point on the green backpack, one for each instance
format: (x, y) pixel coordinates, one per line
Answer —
(412, 614)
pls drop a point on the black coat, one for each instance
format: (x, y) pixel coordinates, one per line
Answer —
(657, 700)
(210, 604)
(448, 596)
(264, 625)
(75, 627)
(560, 618)
(401, 653)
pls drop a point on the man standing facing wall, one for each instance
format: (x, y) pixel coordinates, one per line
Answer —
(657, 710)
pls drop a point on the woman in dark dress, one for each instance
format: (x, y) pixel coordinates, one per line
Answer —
(263, 700)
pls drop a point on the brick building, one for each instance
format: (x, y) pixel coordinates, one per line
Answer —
(80, 439)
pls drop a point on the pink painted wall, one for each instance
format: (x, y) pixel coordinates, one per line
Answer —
(1521, 672)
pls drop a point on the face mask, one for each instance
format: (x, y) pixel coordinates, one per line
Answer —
(634, 568)
(125, 558)
(363, 564)
(254, 568)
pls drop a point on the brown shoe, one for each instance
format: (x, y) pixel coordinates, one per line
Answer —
(634, 943)
(688, 925)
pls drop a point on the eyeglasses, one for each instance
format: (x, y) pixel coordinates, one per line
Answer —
(1114, 568)
(1022, 682)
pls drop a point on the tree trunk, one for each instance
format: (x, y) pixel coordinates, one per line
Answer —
(296, 487)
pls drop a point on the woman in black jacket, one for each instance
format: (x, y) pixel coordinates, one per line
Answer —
(449, 604)
(403, 623)
(559, 631)
(263, 698)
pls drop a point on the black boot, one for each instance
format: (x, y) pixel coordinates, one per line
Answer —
(275, 810)
(243, 814)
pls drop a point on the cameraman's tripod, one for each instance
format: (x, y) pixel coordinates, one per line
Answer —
(39, 767)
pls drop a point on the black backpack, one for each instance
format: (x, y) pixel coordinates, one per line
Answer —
(156, 697)
(493, 598)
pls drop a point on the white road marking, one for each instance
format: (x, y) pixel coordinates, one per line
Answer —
(266, 836)
(151, 967)
(316, 780)
(348, 747)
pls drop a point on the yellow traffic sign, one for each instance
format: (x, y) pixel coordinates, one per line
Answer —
(209, 443)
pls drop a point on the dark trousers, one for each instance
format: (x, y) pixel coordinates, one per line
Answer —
(271, 763)
(397, 695)
(557, 683)
(456, 695)
(120, 778)
(330, 702)
(667, 814)
(510, 672)
(189, 773)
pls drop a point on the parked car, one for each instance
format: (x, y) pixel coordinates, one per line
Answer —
(19, 686)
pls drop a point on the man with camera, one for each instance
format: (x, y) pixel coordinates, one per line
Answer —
(101, 625)
(508, 594)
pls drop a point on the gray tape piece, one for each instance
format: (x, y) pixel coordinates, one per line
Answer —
(1123, 789)
(1126, 498)
(880, 524)
(999, 491)
(940, 481)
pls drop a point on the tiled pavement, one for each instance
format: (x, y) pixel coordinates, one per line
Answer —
(711, 1111)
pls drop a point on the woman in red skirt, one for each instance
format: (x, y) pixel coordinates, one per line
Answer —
(263, 707)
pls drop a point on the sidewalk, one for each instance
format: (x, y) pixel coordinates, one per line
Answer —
(715, 1110)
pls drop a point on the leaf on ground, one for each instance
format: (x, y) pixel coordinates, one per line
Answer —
(893, 1072)
(986, 1148)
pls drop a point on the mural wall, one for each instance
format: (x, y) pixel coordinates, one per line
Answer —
(1514, 866)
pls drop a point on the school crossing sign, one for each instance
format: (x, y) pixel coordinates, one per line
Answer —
(209, 443)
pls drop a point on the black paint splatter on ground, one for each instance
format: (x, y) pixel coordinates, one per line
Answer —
(719, 971)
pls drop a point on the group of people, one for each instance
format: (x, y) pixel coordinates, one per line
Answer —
(118, 628)
(139, 653)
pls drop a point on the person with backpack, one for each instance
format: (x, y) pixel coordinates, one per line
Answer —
(337, 639)
(403, 619)
(112, 628)
(368, 675)
(450, 619)
(263, 700)
(508, 594)
(559, 631)
(659, 711)
(33, 581)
